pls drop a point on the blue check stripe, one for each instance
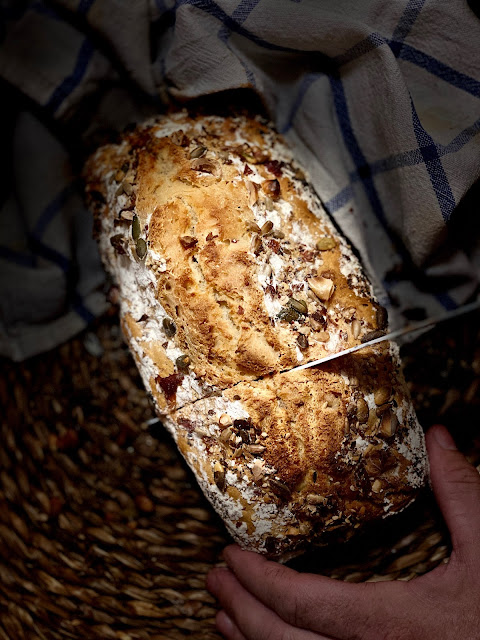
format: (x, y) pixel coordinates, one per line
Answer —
(72, 81)
(406, 22)
(239, 15)
(434, 166)
(16, 257)
(53, 208)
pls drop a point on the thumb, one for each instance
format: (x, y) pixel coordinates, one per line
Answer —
(456, 484)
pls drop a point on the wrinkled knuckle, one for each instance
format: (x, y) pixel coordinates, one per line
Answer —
(461, 474)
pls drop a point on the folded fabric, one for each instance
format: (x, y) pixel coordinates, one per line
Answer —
(381, 102)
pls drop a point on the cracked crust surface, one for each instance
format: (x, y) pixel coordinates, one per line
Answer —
(241, 276)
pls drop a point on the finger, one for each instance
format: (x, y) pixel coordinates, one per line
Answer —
(320, 604)
(227, 627)
(249, 616)
(456, 485)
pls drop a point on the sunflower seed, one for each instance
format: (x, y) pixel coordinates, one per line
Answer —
(388, 424)
(252, 192)
(280, 489)
(382, 395)
(256, 244)
(198, 152)
(127, 188)
(256, 449)
(356, 326)
(362, 411)
(141, 248)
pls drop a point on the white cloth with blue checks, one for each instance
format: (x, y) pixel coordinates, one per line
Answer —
(380, 99)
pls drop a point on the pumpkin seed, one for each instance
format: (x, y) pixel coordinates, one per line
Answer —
(183, 363)
(141, 248)
(302, 342)
(136, 228)
(325, 244)
(169, 327)
(289, 314)
(372, 335)
(298, 305)
(198, 152)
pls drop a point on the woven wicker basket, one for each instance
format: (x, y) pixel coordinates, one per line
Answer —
(104, 532)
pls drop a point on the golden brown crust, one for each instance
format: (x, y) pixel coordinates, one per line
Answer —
(231, 273)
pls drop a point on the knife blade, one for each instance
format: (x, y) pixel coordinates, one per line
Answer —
(393, 335)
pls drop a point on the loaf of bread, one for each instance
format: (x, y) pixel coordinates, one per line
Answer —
(231, 274)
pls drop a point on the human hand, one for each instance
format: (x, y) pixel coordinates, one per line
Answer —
(264, 600)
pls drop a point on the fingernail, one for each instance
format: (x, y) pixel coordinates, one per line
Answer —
(443, 438)
(225, 624)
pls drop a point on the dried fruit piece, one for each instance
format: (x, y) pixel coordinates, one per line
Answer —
(219, 476)
(188, 242)
(118, 243)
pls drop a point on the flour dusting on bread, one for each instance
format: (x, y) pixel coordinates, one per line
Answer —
(230, 273)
